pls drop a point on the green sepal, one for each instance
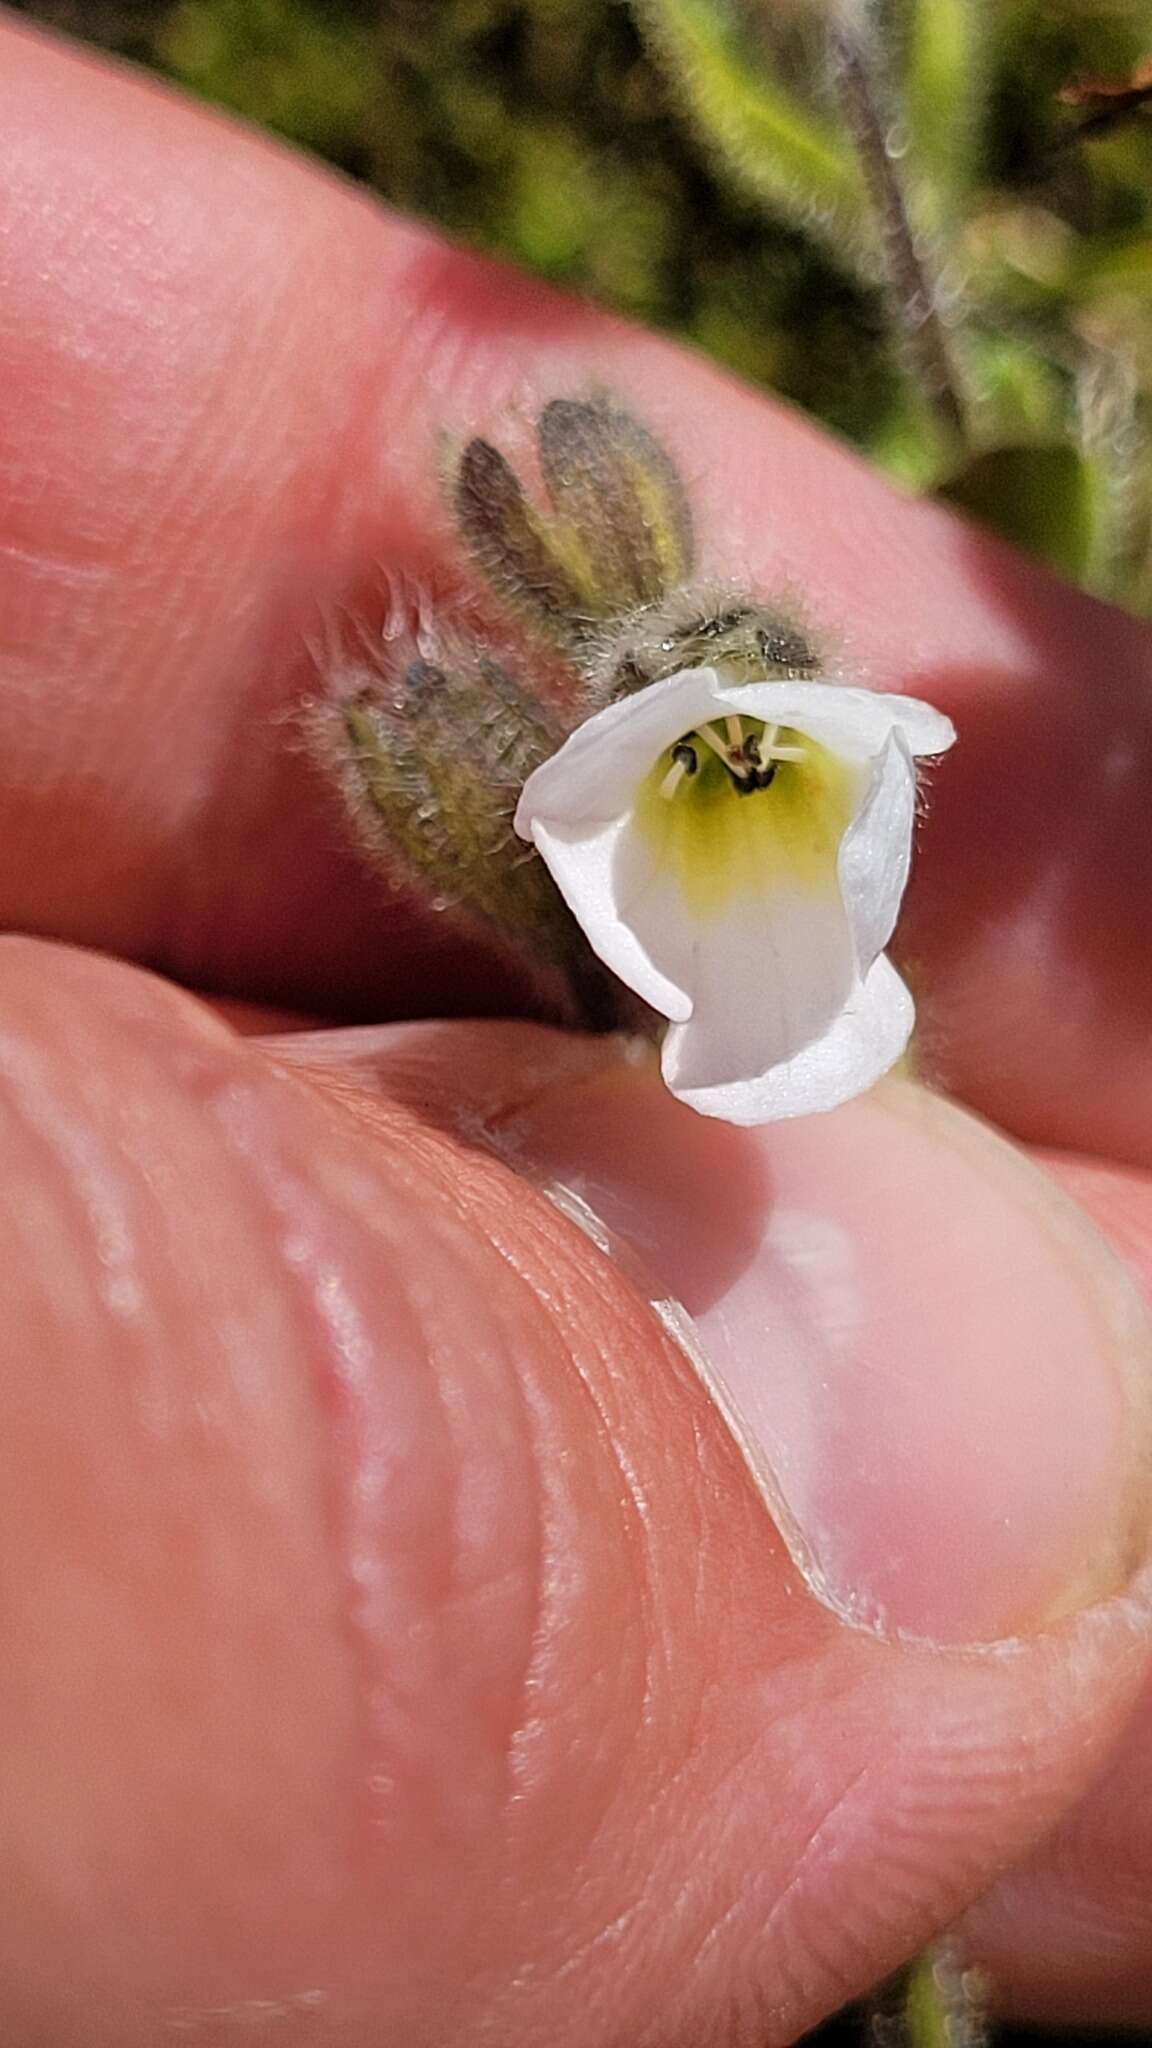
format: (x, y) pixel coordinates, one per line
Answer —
(617, 532)
(510, 542)
(430, 767)
(621, 509)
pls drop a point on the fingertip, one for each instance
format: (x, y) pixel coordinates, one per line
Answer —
(942, 1373)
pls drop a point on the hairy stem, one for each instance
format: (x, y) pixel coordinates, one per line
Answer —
(863, 96)
(937, 2002)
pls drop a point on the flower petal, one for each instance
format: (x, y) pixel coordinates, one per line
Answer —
(628, 904)
(593, 778)
(767, 979)
(876, 851)
(863, 1042)
(851, 722)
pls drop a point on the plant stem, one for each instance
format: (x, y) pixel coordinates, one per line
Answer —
(937, 2002)
(862, 90)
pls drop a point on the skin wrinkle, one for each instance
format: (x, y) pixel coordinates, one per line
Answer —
(55, 566)
(697, 1961)
(960, 1777)
(641, 1712)
(241, 1127)
(813, 1849)
(675, 1797)
(937, 1798)
(88, 1182)
(464, 1199)
(612, 1936)
(89, 1191)
(153, 480)
(519, 1682)
(835, 1949)
(135, 1651)
(668, 1791)
(332, 1309)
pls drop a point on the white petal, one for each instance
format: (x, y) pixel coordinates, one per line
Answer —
(863, 1042)
(767, 979)
(853, 723)
(876, 852)
(592, 779)
(630, 907)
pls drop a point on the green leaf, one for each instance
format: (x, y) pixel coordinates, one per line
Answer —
(1045, 498)
(773, 144)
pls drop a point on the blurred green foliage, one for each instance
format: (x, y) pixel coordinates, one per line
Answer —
(692, 163)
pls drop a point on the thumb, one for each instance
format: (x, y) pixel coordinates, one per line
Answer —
(395, 1642)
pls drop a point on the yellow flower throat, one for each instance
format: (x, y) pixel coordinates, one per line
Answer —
(737, 806)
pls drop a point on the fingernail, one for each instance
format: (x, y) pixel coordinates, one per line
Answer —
(941, 1376)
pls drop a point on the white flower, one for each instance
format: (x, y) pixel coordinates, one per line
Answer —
(737, 855)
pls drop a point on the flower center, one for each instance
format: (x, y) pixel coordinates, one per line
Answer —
(717, 849)
(751, 758)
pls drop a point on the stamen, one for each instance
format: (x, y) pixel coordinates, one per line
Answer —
(712, 739)
(769, 751)
(751, 759)
(684, 763)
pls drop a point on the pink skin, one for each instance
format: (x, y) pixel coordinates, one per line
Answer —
(394, 1638)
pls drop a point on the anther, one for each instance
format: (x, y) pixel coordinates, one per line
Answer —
(684, 763)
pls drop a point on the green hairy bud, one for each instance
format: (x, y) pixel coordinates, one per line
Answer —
(616, 534)
(429, 755)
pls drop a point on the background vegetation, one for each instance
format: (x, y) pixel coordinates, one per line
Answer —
(696, 163)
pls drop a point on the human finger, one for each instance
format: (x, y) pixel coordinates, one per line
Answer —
(395, 1642)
